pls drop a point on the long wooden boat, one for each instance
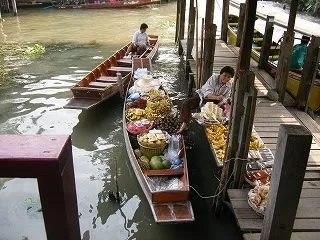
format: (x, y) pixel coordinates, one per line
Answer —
(170, 205)
(102, 82)
(112, 4)
(293, 81)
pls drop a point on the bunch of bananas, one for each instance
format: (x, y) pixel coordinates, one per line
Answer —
(255, 144)
(217, 135)
(157, 107)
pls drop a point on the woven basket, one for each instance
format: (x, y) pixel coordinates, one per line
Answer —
(150, 152)
(255, 208)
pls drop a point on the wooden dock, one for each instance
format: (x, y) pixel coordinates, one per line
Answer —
(268, 117)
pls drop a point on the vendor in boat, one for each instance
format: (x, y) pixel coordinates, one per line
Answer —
(217, 89)
(298, 54)
(140, 41)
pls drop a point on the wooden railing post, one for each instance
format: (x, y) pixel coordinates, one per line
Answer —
(190, 40)
(224, 22)
(308, 73)
(266, 45)
(290, 164)
(120, 85)
(182, 18)
(242, 16)
(177, 21)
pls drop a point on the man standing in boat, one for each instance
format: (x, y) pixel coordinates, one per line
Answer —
(217, 89)
(140, 41)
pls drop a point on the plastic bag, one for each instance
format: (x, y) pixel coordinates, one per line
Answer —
(172, 152)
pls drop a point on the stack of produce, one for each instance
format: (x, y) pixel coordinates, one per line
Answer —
(217, 135)
(258, 198)
(139, 103)
(167, 123)
(140, 126)
(134, 114)
(153, 139)
(157, 106)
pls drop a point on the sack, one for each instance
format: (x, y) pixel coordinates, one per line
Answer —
(172, 152)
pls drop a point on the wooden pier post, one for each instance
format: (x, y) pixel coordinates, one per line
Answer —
(225, 19)
(177, 22)
(266, 45)
(308, 73)
(120, 85)
(242, 16)
(49, 159)
(190, 40)
(182, 18)
(14, 8)
(285, 54)
(209, 43)
(288, 172)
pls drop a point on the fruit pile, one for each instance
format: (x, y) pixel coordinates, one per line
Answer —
(217, 135)
(139, 103)
(140, 126)
(255, 144)
(153, 139)
(167, 123)
(155, 162)
(157, 106)
(134, 114)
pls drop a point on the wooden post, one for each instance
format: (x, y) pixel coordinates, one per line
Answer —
(197, 78)
(290, 164)
(182, 18)
(266, 45)
(284, 64)
(207, 61)
(120, 84)
(247, 36)
(49, 159)
(285, 54)
(208, 53)
(242, 16)
(225, 19)
(190, 40)
(308, 73)
(14, 8)
(177, 22)
(201, 48)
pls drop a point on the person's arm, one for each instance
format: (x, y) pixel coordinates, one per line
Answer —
(148, 42)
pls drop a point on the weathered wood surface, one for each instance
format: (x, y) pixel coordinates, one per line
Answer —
(294, 236)
(307, 217)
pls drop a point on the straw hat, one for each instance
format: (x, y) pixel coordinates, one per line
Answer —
(146, 83)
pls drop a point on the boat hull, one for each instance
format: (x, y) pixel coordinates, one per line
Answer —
(293, 80)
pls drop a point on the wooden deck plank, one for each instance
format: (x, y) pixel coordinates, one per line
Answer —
(294, 236)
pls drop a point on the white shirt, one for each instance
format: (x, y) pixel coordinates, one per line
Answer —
(140, 38)
(215, 87)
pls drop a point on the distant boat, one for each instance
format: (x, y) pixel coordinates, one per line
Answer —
(102, 83)
(126, 4)
(293, 81)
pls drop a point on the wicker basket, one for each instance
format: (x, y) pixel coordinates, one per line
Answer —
(254, 207)
(150, 152)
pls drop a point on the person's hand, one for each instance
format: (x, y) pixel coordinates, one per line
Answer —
(219, 98)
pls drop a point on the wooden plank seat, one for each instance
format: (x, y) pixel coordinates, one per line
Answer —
(96, 84)
(124, 62)
(107, 79)
(123, 70)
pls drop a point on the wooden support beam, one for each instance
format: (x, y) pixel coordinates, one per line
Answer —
(208, 53)
(308, 73)
(225, 20)
(288, 172)
(292, 15)
(14, 8)
(242, 16)
(266, 45)
(177, 21)
(182, 19)
(120, 85)
(246, 43)
(283, 64)
(190, 39)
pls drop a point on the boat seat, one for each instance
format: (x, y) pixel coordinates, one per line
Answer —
(124, 62)
(107, 79)
(95, 84)
(123, 70)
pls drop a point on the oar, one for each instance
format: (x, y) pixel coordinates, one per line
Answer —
(115, 196)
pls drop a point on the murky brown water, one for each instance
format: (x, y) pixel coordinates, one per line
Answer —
(76, 41)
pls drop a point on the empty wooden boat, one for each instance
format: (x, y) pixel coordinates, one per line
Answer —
(168, 204)
(102, 82)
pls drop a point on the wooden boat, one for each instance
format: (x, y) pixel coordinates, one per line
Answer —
(167, 205)
(293, 81)
(111, 4)
(102, 82)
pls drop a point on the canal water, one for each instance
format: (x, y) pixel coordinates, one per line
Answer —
(32, 103)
